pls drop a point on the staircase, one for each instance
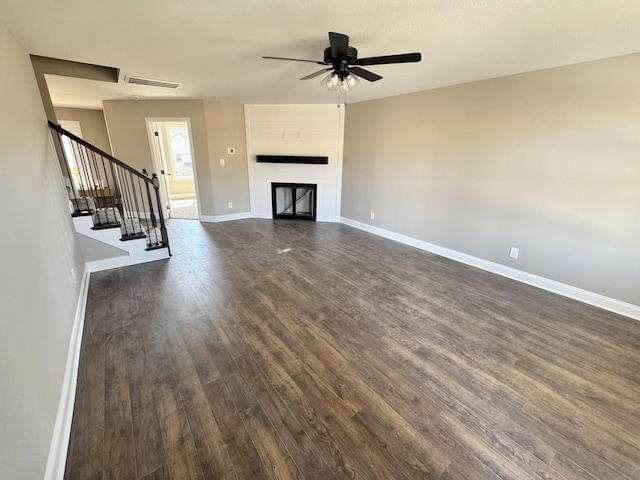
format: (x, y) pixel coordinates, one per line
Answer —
(112, 202)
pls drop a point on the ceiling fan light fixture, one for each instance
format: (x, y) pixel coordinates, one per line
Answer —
(333, 82)
(344, 65)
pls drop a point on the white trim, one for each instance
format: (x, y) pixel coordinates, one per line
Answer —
(340, 159)
(127, 260)
(62, 428)
(265, 216)
(225, 218)
(108, 263)
(247, 129)
(241, 216)
(585, 296)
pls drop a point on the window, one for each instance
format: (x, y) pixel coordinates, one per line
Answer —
(180, 153)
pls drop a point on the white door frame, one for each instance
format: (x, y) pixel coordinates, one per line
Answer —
(156, 157)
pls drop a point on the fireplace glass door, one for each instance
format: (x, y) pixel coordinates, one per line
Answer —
(294, 200)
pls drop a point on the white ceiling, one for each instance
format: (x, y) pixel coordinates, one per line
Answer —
(214, 47)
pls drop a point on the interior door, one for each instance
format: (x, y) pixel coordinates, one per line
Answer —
(175, 166)
(159, 165)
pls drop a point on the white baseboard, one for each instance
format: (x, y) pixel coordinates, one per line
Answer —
(263, 216)
(224, 218)
(108, 263)
(585, 296)
(269, 216)
(62, 428)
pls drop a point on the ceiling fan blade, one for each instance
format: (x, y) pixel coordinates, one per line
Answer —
(386, 59)
(294, 60)
(339, 45)
(366, 74)
(316, 74)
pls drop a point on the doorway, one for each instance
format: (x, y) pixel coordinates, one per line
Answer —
(172, 149)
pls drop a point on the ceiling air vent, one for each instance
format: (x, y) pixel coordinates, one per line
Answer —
(150, 82)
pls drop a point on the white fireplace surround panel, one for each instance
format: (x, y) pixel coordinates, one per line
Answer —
(313, 130)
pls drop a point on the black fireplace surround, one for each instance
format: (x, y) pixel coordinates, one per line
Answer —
(295, 201)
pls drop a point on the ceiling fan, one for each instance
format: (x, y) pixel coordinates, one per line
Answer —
(345, 66)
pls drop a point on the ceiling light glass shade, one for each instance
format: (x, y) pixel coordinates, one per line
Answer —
(351, 81)
(331, 82)
(347, 84)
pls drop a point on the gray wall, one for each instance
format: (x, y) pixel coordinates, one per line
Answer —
(94, 128)
(547, 161)
(93, 249)
(127, 129)
(38, 296)
(54, 66)
(230, 182)
(214, 126)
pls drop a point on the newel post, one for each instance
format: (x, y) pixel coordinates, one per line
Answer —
(163, 229)
(154, 221)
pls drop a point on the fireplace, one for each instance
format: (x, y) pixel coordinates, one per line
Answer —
(294, 200)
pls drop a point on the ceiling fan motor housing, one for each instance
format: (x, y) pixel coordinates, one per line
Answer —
(352, 55)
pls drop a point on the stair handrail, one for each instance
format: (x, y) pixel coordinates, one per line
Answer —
(88, 145)
(125, 190)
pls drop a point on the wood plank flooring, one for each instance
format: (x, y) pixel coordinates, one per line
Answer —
(349, 356)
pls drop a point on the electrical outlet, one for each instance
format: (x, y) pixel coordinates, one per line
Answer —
(230, 204)
(373, 216)
(231, 151)
(222, 161)
(514, 252)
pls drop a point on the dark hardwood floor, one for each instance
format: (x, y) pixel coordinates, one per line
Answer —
(348, 356)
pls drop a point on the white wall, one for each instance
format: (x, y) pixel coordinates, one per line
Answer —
(38, 295)
(309, 130)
